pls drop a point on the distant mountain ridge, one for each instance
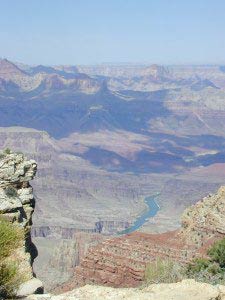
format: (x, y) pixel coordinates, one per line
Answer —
(45, 76)
(9, 69)
(63, 99)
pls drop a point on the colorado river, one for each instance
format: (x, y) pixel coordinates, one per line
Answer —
(152, 210)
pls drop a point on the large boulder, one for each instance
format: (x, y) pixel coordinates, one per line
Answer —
(32, 286)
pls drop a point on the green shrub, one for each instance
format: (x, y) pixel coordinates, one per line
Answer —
(2, 155)
(213, 274)
(215, 269)
(197, 265)
(163, 271)
(11, 237)
(217, 253)
(11, 192)
(7, 151)
(9, 280)
(210, 270)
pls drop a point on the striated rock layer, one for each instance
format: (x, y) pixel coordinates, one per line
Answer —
(205, 220)
(17, 203)
(121, 262)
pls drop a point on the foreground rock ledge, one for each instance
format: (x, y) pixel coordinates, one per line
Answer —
(17, 206)
(185, 290)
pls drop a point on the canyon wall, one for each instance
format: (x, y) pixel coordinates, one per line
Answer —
(121, 261)
(57, 256)
(204, 221)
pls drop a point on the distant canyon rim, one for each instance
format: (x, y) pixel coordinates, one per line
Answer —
(105, 138)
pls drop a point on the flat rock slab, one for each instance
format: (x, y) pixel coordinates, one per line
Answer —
(185, 290)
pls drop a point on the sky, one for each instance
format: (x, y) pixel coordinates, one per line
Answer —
(113, 31)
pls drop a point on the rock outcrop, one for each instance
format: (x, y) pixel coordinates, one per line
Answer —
(185, 290)
(17, 204)
(205, 220)
(121, 262)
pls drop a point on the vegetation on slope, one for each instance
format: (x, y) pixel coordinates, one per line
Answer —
(210, 270)
(163, 271)
(11, 238)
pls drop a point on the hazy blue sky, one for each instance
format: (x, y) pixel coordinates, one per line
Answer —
(96, 31)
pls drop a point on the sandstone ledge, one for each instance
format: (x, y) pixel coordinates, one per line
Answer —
(185, 290)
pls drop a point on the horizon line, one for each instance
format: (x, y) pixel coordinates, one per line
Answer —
(119, 63)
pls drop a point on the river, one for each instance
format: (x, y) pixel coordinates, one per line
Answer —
(150, 212)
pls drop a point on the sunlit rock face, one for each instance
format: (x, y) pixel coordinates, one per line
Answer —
(17, 203)
(205, 220)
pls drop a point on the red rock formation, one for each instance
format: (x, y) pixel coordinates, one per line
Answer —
(121, 261)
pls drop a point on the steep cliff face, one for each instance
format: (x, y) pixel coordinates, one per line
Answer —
(121, 262)
(204, 221)
(17, 203)
(58, 257)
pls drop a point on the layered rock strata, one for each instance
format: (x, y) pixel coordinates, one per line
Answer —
(121, 262)
(17, 204)
(204, 221)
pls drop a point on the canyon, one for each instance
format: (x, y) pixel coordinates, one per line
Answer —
(105, 138)
(122, 261)
(118, 262)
